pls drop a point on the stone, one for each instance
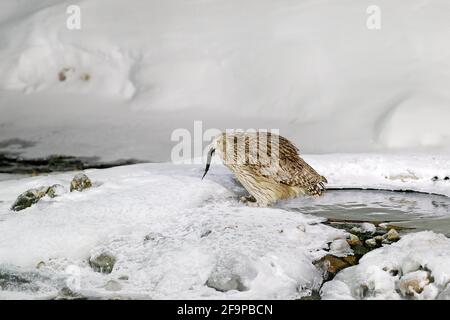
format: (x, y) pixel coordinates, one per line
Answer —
(103, 262)
(371, 243)
(67, 294)
(413, 282)
(55, 190)
(378, 238)
(340, 245)
(80, 182)
(368, 228)
(28, 198)
(360, 250)
(392, 235)
(353, 240)
(330, 265)
(351, 260)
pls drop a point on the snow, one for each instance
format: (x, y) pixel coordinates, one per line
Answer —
(196, 230)
(418, 260)
(368, 109)
(312, 70)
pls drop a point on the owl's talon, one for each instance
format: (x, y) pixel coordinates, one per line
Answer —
(247, 199)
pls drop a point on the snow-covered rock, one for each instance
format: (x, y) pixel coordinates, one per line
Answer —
(417, 266)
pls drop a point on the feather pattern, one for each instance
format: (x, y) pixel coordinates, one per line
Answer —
(268, 166)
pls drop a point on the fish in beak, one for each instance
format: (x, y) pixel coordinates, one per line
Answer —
(208, 161)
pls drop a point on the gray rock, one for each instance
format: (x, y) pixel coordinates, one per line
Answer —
(80, 182)
(32, 196)
(371, 243)
(55, 190)
(392, 235)
(28, 198)
(103, 262)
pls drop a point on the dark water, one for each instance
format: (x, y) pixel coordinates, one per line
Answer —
(417, 211)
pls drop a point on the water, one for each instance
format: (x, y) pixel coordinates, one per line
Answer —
(417, 211)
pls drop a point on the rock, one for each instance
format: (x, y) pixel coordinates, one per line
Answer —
(330, 265)
(67, 294)
(392, 235)
(315, 295)
(103, 263)
(353, 240)
(55, 190)
(113, 285)
(340, 246)
(413, 282)
(371, 243)
(359, 250)
(28, 198)
(378, 239)
(368, 228)
(351, 260)
(32, 196)
(80, 182)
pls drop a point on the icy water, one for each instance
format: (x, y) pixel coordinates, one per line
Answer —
(417, 211)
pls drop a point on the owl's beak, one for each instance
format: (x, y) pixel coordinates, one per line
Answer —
(208, 161)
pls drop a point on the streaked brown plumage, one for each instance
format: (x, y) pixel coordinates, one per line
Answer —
(267, 165)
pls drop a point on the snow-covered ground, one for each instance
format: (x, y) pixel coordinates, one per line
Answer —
(198, 231)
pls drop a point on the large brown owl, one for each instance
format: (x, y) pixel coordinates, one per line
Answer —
(267, 165)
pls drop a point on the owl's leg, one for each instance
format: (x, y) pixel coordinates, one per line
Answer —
(247, 199)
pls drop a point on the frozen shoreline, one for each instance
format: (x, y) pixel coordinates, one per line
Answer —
(199, 231)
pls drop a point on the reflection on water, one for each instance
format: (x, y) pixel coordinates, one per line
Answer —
(407, 209)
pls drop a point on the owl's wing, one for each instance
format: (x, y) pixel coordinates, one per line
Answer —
(290, 169)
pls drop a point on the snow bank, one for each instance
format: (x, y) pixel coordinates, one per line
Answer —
(418, 267)
(170, 232)
(313, 70)
(419, 172)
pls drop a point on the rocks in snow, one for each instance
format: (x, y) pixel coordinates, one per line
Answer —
(340, 247)
(80, 182)
(372, 243)
(331, 265)
(413, 282)
(103, 262)
(32, 196)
